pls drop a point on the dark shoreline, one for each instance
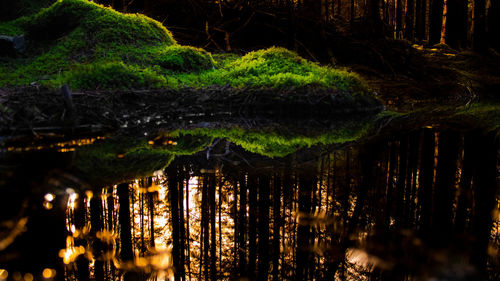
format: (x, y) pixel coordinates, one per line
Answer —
(25, 109)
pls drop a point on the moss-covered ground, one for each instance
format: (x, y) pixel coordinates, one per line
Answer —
(89, 46)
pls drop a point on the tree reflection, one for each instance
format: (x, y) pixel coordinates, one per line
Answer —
(415, 206)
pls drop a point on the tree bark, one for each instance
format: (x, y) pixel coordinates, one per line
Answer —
(276, 226)
(410, 20)
(494, 24)
(173, 191)
(126, 253)
(445, 184)
(242, 228)
(436, 22)
(399, 18)
(486, 185)
(421, 19)
(426, 175)
(479, 36)
(456, 23)
(264, 204)
(252, 225)
(96, 227)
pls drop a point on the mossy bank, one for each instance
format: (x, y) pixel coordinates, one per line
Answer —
(89, 46)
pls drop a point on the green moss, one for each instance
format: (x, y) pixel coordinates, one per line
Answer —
(111, 75)
(90, 46)
(184, 59)
(280, 68)
(11, 28)
(74, 32)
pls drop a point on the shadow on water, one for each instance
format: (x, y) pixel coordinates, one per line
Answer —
(419, 205)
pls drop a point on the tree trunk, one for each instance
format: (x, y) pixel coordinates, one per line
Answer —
(82, 263)
(445, 184)
(96, 227)
(410, 20)
(173, 191)
(470, 158)
(479, 36)
(276, 226)
(242, 228)
(151, 199)
(436, 22)
(456, 23)
(264, 186)
(494, 24)
(401, 181)
(374, 19)
(399, 19)
(126, 253)
(425, 180)
(213, 233)
(252, 225)
(486, 184)
(205, 220)
(352, 13)
(421, 19)
(303, 255)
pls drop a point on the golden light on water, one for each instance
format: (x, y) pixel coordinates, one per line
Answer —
(65, 146)
(49, 197)
(71, 253)
(48, 205)
(17, 276)
(49, 273)
(28, 277)
(3, 274)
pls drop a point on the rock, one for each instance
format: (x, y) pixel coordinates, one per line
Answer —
(12, 45)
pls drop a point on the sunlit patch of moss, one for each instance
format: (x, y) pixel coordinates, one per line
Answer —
(184, 59)
(278, 67)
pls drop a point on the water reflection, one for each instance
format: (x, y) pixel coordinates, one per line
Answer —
(419, 206)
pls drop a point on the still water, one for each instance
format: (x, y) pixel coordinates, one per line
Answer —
(416, 204)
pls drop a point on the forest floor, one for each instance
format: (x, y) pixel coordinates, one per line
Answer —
(421, 77)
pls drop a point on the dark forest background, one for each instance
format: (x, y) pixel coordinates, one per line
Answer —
(376, 35)
(315, 28)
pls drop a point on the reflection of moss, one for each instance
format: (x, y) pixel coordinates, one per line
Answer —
(112, 161)
(89, 46)
(273, 143)
(187, 144)
(486, 113)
